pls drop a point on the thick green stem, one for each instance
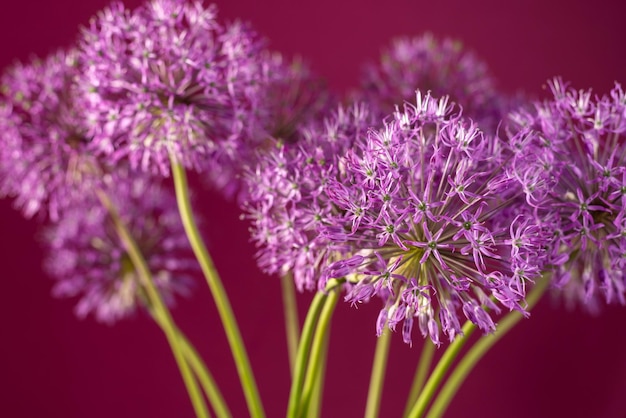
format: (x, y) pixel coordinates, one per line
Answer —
(317, 350)
(292, 325)
(440, 370)
(156, 304)
(297, 382)
(377, 379)
(478, 350)
(315, 404)
(220, 297)
(426, 358)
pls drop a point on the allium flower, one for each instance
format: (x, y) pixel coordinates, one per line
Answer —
(167, 79)
(88, 260)
(571, 163)
(294, 98)
(441, 67)
(46, 156)
(286, 202)
(428, 219)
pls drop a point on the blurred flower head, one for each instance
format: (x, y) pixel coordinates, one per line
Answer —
(286, 203)
(442, 67)
(88, 260)
(571, 162)
(46, 155)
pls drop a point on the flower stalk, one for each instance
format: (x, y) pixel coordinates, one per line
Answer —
(220, 297)
(161, 312)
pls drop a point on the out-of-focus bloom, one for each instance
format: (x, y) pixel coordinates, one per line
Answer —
(46, 154)
(427, 220)
(286, 202)
(293, 99)
(89, 261)
(168, 79)
(442, 67)
(571, 162)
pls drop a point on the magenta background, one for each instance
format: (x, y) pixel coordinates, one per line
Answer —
(556, 364)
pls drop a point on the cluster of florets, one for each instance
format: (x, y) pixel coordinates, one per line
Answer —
(88, 259)
(430, 223)
(442, 67)
(287, 203)
(294, 99)
(46, 156)
(571, 162)
(168, 81)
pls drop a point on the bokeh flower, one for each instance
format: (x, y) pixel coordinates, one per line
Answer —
(88, 260)
(286, 204)
(442, 67)
(47, 157)
(571, 162)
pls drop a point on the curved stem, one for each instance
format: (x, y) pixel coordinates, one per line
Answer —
(160, 310)
(426, 358)
(440, 370)
(290, 309)
(204, 376)
(317, 349)
(303, 353)
(479, 349)
(377, 380)
(237, 347)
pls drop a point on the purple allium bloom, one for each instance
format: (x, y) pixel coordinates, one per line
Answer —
(46, 156)
(294, 98)
(88, 260)
(442, 67)
(286, 202)
(571, 162)
(168, 79)
(427, 220)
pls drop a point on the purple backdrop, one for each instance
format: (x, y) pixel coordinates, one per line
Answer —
(556, 364)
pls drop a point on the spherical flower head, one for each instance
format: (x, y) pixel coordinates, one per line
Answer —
(47, 156)
(88, 260)
(293, 99)
(442, 67)
(167, 80)
(285, 202)
(426, 218)
(571, 162)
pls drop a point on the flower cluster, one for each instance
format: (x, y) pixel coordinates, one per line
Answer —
(430, 223)
(88, 259)
(46, 156)
(571, 162)
(294, 98)
(442, 67)
(286, 202)
(167, 80)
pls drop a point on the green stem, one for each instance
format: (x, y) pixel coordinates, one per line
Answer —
(426, 358)
(377, 380)
(292, 326)
(479, 349)
(206, 379)
(220, 297)
(316, 397)
(156, 302)
(303, 353)
(317, 349)
(440, 370)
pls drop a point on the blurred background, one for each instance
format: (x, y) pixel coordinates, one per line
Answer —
(558, 363)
